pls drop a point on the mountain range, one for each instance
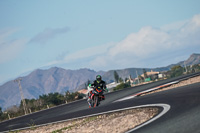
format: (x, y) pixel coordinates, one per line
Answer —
(124, 73)
(60, 80)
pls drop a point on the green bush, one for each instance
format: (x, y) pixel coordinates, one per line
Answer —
(176, 71)
(121, 86)
(51, 99)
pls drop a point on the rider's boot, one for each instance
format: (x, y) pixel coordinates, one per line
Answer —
(89, 101)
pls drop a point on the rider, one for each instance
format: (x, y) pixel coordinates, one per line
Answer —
(98, 84)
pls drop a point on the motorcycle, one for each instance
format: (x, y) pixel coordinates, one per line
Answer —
(96, 97)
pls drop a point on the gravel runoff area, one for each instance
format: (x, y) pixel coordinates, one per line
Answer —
(117, 122)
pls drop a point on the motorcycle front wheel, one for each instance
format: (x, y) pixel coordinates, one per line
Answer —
(95, 101)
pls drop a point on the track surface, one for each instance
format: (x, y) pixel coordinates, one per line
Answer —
(184, 115)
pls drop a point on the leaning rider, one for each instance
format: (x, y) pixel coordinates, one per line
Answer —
(100, 85)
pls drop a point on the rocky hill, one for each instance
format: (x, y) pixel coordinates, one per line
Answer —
(193, 59)
(43, 82)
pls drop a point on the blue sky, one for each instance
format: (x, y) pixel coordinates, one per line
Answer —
(100, 35)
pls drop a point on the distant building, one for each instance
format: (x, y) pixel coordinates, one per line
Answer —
(155, 75)
(149, 74)
(112, 85)
(84, 91)
(132, 81)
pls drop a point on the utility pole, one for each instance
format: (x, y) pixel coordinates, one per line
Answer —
(185, 67)
(137, 76)
(22, 95)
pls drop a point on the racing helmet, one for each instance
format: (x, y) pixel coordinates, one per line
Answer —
(98, 78)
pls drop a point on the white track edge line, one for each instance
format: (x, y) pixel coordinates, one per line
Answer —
(166, 108)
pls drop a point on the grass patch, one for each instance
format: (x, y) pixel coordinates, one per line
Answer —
(32, 125)
(17, 131)
(93, 118)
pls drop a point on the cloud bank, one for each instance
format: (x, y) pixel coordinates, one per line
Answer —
(149, 47)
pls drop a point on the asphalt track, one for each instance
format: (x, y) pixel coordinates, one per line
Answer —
(183, 116)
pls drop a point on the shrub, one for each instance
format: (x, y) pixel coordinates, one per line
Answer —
(121, 86)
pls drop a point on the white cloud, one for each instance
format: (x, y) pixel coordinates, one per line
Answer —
(89, 53)
(9, 49)
(141, 44)
(149, 47)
